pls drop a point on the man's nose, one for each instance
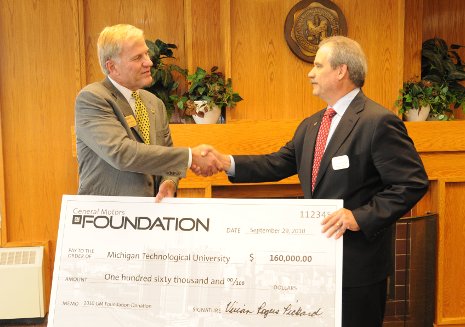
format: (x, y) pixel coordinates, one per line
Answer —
(147, 61)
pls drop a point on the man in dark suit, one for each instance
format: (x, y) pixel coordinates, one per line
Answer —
(370, 162)
(120, 153)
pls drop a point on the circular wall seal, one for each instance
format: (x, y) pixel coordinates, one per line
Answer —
(308, 23)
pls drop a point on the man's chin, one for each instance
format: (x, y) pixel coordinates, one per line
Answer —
(148, 81)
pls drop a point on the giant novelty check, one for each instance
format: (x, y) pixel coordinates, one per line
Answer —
(127, 261)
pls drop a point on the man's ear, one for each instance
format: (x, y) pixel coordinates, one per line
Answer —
(342, 71)
(111, 67)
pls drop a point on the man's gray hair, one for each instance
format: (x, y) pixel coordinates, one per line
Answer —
(345, 51)
(110, 42)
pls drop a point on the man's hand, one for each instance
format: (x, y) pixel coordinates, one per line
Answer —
(338, 222)
(224, 159)
(167, 189)
(204, 161)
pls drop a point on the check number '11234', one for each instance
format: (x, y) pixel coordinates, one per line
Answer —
(313, 214)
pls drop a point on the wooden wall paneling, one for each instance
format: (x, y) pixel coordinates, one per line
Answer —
(37, 89)
(429, 203)
(413, 34)
(225, 43)
(2, 186)
(160, 19)
(251, 137)
(188, 35)
(244, 137)
(445, 19)
(204, 31)
(195, 190)
(225, 35)
(208, 35)
(431, 15)
(441, 146)
(37, 86)
(450, 307)
(444, 164)
(436, 136)
(379, 29)
(81, 70)
(270, 78)
(274, 82)
(258, 191)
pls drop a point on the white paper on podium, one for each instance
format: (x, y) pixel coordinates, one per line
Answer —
(127, 261)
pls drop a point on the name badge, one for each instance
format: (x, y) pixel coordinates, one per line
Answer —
(131, 121)
(341, 162)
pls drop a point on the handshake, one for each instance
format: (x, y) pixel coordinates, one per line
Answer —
(207, 161)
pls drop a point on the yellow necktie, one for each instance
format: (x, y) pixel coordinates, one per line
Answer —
(142, 118)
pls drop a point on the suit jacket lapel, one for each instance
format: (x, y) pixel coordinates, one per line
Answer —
(308, 149)
(344, 128)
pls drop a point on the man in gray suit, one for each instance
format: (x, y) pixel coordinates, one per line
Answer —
(119, 154)
(370, 162)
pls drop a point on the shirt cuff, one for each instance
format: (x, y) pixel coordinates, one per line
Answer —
(232, 168)
(189, 164)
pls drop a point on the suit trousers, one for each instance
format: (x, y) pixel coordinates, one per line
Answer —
(364, 306)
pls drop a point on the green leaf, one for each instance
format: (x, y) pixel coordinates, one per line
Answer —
(166, 78)
(201, 89)
(158, 75)
(236, 97)
(456, 75)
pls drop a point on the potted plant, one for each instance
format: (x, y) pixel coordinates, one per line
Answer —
(414, 100)
(164, 83)
(208, 94)
(444, 66)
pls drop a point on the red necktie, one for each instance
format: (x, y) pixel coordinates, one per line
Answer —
(321, 143)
